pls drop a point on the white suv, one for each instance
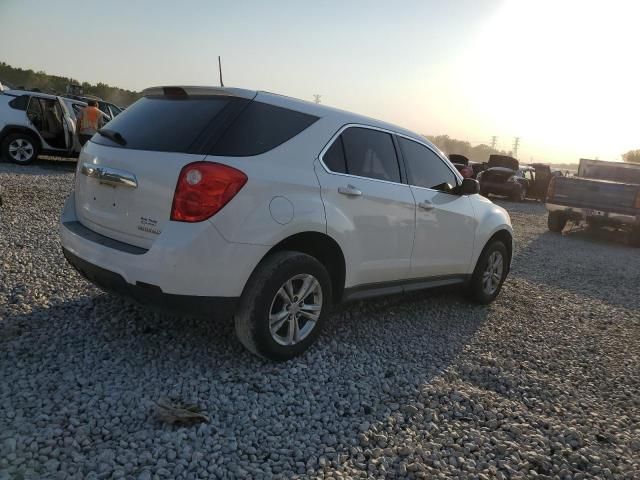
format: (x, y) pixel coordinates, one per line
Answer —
(33, 123)
(221, 201)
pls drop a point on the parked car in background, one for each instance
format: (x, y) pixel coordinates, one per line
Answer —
(33, 123)
(272, 209)
(505, 176)
(462, 165)
(601, 194)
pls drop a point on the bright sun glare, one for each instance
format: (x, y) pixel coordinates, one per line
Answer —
(556, 73)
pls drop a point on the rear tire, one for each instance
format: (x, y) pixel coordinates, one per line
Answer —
(273, 321)
(556, 222)
(20, 148)
(634, 238)
(489, 274)
(519, 195)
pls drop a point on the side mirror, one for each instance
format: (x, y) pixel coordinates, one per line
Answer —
(469, 186)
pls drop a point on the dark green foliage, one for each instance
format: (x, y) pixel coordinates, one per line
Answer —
(28, 79)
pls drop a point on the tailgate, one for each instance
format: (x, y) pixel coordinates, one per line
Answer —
(133, 210)
(127, 175)
(597, 194)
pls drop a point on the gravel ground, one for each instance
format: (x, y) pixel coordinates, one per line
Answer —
(544, 383)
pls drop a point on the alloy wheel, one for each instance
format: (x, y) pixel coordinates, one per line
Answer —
(492, 274)
(295, 309)
(21, 150)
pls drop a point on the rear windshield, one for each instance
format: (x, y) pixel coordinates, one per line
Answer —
(162, 124)
(223, 126)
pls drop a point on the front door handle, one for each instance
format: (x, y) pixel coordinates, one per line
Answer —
(426, 205)
(350, 191)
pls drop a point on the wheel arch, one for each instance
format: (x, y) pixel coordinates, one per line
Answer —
(322, 247)
(506, 237)
(11, 129)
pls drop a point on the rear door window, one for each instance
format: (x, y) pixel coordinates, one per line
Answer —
(34, 112)
(370, 153)
(425, 168)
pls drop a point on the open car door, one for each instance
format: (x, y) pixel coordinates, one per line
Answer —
(538, 188)
(69, 127)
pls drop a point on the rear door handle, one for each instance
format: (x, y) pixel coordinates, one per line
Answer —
(350, 191)
(426, 205)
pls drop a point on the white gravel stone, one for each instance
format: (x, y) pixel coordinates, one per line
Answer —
(541, 384)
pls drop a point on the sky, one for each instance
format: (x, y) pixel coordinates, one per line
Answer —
(562, 75)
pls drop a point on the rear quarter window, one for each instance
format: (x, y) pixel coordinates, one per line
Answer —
(20, 103)
(259, 128)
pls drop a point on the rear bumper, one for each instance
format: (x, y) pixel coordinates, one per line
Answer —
(151, 295)
(580, 213)
(187, 264)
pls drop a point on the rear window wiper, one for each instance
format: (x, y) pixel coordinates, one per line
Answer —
(113, 136)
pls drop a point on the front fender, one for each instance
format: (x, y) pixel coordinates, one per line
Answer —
(491, 220)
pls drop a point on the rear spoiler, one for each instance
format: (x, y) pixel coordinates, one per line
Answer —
(192, 91)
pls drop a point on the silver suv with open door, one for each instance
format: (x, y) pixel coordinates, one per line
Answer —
(33, 123)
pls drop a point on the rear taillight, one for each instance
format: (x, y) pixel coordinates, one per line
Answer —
(552, 187)
(636, 204)
(203, 189)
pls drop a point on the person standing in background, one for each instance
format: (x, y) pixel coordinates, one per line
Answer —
(90, 120)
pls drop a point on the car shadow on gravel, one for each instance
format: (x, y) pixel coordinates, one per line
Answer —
(41, 166)
(594, 263)
(92, 368)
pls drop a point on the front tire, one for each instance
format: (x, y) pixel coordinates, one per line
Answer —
(556, 222)
(20, 148)
(283, 306)
(489, 274)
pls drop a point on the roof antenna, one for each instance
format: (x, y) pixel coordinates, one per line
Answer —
(220, 70)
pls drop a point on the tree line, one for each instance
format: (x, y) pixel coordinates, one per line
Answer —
(54, 84)
(478, 153)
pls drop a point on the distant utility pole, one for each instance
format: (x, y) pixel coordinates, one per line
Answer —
(516, 144)
(220, 71)
(316, 98)
(494, 141)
